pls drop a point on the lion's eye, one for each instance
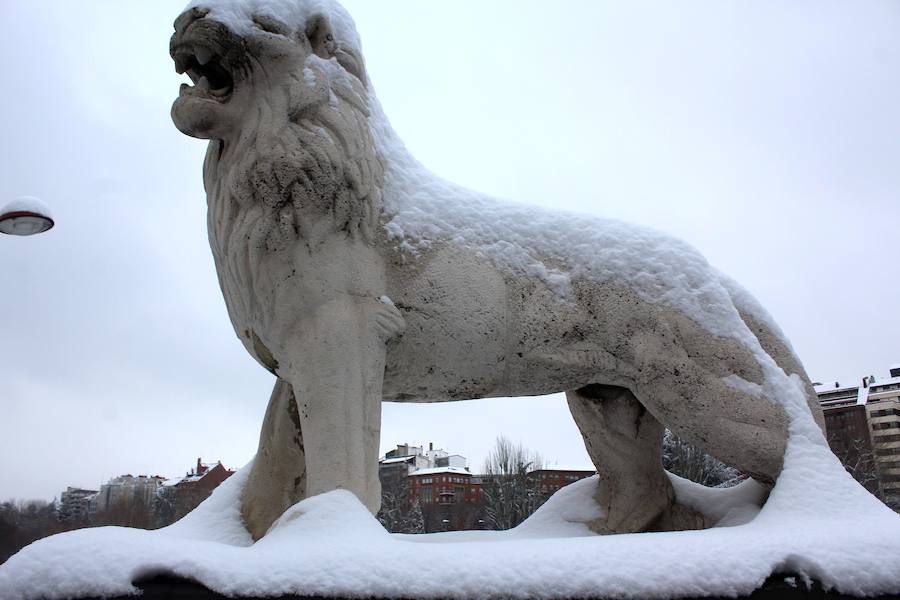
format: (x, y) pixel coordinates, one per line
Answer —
(270, 25)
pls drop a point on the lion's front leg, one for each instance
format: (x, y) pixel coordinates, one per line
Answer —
(336, 368)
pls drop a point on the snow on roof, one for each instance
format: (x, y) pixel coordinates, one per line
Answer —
(565, 468)
(400, 459)
(860, 391)
(438, 470)
(186, 479)
(885, 381)
(827, 388)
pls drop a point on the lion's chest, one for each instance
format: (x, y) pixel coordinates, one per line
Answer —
(263, 290)
(272, 282)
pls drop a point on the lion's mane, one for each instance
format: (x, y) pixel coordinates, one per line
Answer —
(305, 167)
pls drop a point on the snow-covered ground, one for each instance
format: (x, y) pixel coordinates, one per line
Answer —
(818, 523)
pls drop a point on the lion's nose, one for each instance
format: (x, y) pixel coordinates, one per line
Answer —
(188, 17)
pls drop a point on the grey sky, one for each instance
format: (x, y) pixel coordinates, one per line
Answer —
(766, 134)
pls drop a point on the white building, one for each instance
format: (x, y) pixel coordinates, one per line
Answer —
(881, 398)
(76, 503)
(128, 488)
(406, 460)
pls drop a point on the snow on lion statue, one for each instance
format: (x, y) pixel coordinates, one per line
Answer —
(355, 276)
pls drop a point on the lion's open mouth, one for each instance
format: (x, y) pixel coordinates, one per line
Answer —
(205, 68)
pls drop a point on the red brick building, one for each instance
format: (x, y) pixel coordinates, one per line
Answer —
(196, 486)
(548, 481)
(451, 498)
(205, 477)
(444, 485)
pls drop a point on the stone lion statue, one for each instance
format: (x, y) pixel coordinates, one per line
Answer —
(356, 276)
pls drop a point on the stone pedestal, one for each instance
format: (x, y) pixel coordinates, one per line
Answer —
(777, 587)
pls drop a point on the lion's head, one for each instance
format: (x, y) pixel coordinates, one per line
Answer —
(235, 71)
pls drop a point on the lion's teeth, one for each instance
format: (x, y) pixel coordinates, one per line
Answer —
(204, 55)
(203, 84)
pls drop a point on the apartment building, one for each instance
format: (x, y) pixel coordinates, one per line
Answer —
(863, 424)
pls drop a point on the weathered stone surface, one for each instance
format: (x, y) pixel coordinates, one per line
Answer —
(346, 318)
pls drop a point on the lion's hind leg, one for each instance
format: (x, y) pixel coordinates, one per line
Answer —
(278, 476)
(709, 391)
(624, 440)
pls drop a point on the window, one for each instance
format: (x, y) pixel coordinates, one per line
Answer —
(886, 412)
(425, 495)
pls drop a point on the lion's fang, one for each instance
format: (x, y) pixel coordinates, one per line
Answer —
(204, 55)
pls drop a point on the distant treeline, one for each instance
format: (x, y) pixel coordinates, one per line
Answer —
(23, 522)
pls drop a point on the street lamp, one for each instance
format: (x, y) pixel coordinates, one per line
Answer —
(25, 216)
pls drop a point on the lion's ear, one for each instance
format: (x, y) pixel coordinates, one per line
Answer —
(321, 37)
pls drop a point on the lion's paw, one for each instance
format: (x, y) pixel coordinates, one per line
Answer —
(387, 319)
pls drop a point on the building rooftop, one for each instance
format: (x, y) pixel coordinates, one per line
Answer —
(582, 468)
(399, 459)
(828, 388)
(886, 381)
(831, 396)
(439, 470)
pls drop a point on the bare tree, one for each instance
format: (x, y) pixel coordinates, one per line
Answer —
(859, 460)
(164, 505)
(510, 495)
(398, 513)
(688, 461)
(26, 521)
(414, 520)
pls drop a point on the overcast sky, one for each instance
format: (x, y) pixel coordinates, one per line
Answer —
(766, 134)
